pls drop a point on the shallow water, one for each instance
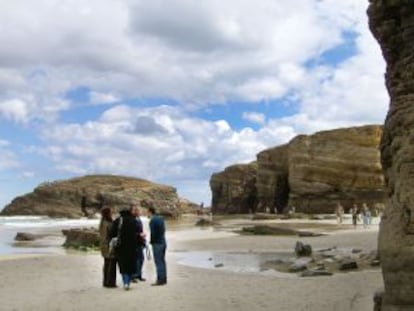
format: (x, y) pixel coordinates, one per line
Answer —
(240, 262)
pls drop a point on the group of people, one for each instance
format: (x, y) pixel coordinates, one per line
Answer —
(356, 213)
(131, 245)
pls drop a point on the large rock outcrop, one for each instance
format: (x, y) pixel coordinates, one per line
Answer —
(311, 172)
(335, 166)
(84, 196)
(234, 189)
(272, 179)
(392, 23)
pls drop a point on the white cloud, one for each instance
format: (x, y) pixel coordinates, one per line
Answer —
(196, 53)
(97, 98)
(254, 117)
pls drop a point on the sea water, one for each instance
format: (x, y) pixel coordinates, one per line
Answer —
(51, 243)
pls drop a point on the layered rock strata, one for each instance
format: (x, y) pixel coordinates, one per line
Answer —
(84, 196)
(392, 24)
(272, 179)
(335, 166)
(312, 173)
(234, 190)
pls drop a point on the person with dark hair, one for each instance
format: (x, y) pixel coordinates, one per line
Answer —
(125, 228)
(159, 245)
(109, 268)
(141, 244)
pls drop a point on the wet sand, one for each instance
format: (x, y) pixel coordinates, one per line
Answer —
(73, 282)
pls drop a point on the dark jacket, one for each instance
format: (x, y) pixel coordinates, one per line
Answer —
(140, 229)
(127, 250)
(157, 227)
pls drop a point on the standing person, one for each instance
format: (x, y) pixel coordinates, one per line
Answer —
(159, 246)
(141, 245)
(339, 213)
(109, 268)
(127, 249)
(366, 215)
(354, 212)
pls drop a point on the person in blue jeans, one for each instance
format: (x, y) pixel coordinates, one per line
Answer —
(141, 244)
(159, 246)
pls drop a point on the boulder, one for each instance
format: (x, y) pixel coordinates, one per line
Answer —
(303, 250)
(81, 238)
(25, 236)
(348, 265)
(234, 190)
(84, 196)
(392, 24)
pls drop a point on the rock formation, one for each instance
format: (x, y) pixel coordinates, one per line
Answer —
(392, 23)
(81, 238)
(84, 196)
(272, 179)
(311, 173)
(335, 166)
(234, 189)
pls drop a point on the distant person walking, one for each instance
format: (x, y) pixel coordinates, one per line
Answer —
(159, 246)
(109, 268)
(141, 244)
(354, 212)
(366, 215)
(127, 249)
(339, 211)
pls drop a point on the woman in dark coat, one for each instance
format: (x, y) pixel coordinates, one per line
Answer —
(127, 249)
(105, 229)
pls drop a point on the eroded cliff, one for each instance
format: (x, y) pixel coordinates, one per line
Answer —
(311, 173)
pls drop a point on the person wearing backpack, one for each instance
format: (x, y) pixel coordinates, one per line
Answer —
(125, 229)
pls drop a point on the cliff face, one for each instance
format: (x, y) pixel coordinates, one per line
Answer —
(234, 189)
(84, 196)
(312, 173)
(272, 179)
(392, 23)
(335, 166)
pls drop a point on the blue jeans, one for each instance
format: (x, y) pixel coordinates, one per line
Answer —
(159, 259)
(140, 262)
(126, 278)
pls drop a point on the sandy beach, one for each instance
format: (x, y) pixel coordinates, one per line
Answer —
(73, 282)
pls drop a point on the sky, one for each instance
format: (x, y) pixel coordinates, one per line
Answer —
(173, 91)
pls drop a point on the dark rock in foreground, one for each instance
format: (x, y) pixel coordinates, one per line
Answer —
(81, 238)
(25, 236)
(303, 250)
